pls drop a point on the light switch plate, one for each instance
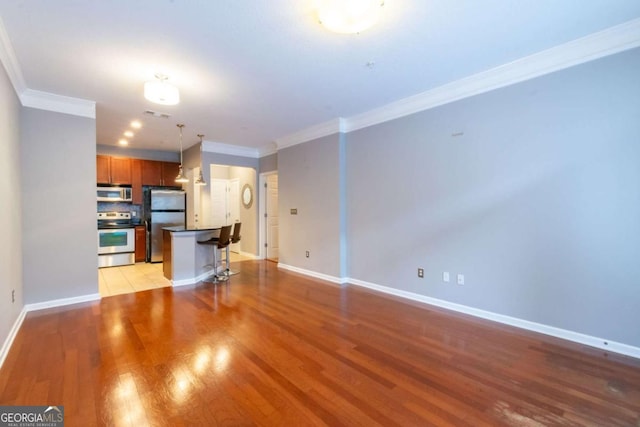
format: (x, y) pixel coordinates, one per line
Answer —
(445, 276)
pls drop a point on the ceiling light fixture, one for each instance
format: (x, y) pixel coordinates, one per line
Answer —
(349, 16)
(200, 180)
(161, 92)
(123, 142)
(128, 134)
(181, 178)
(136, 124)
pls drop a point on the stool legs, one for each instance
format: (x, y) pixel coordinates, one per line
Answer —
(217, 278)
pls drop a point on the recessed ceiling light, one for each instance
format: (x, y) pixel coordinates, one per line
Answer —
(123, 142)
(136, 124)
(128, 133)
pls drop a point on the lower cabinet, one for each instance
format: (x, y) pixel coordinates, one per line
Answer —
(141, 243)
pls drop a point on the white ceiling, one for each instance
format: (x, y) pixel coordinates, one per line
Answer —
(251, 72)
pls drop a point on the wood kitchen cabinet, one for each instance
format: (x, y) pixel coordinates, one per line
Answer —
(141, 244)
(151, 172)
(169, 173)
(113, 170)
(159, 173)
(136, 181)
(103, 169)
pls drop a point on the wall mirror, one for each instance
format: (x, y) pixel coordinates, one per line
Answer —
(247, 196)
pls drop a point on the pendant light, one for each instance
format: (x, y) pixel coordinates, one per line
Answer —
(181, 178)
(200, 180)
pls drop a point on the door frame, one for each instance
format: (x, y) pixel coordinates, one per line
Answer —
(262, 210)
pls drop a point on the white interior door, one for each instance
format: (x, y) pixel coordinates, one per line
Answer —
(218, 202)
(272, 217)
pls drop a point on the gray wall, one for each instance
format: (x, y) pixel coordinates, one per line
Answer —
(268, 163)
(538, 203)
(309, 180)
(58, 173)
(10, 208)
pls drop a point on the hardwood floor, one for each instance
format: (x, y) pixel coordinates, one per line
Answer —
(275, 348)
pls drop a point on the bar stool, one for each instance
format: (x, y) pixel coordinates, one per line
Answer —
(235, 238)
(221, 242)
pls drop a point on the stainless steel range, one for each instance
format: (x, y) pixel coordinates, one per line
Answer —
(116, 239)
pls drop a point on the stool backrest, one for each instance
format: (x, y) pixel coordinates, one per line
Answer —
(236, 232)
(224, 238)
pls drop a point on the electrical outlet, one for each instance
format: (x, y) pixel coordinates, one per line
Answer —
(460, 279)
(445, 276)
(306, 254)
(421, 273)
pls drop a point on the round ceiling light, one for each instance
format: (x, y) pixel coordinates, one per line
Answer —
(161, 92)
(349, 16)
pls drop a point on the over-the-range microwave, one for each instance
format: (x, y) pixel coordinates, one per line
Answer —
(114, 194)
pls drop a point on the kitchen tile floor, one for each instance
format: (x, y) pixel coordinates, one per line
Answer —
(138, 277)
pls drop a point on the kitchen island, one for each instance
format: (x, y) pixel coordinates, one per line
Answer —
(185, 261)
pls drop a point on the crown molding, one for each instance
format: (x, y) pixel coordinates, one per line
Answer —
(233, 150)
(267, 150)
(37, 99)
(314, 132)
(58, 103)
(9, 60)
(597, 45)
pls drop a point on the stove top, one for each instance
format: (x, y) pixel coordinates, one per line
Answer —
(114, 220)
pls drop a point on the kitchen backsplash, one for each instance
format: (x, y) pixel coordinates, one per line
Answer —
(136, 210)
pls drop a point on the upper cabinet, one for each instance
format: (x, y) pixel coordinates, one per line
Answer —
(136, 173)
(159, 173)
(151, 172)
(113, 170)
(170, 172)
(136, 181)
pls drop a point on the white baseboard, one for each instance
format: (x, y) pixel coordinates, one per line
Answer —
(61, 302)
(12, 335)
(577, 337)
(184, 282)
(317, 275)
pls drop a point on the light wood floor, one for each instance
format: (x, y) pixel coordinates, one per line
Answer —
(271, 347)
(137, 277)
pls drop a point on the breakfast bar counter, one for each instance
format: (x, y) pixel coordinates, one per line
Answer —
(185, 261)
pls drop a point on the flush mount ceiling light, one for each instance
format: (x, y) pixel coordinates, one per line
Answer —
(349, 16)
(161, 92)
(181, 178)
(200, 180)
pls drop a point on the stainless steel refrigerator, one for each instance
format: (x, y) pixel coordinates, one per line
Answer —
(165, 208)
